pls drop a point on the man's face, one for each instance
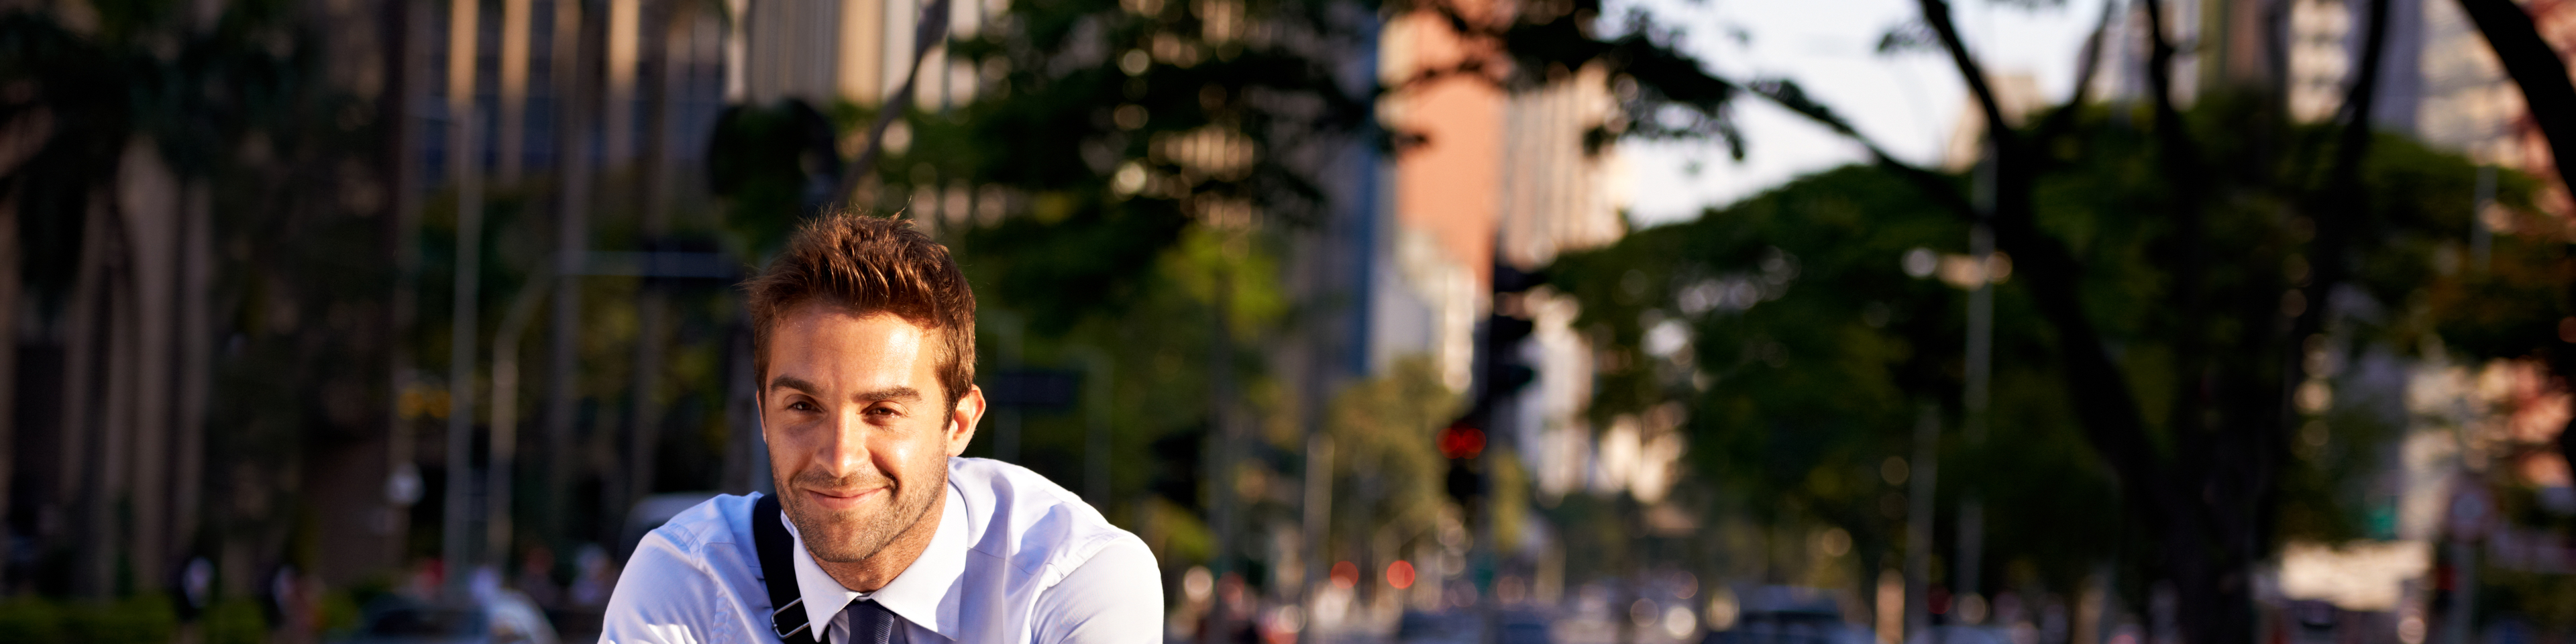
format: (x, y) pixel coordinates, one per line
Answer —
(858, 427)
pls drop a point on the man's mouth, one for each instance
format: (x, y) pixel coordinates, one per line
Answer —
(842, 499)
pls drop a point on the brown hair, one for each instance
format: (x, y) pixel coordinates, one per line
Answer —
(866, 264)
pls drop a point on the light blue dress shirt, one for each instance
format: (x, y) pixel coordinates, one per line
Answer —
(1017, 559)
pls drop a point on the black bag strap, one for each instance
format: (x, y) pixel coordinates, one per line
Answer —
(778, 571)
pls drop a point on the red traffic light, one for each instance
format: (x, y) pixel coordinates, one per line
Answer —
(1461, 441)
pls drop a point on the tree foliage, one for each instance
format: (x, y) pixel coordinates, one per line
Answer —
(1810, 351)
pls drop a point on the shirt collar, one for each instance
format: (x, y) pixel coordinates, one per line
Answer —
(924, 594)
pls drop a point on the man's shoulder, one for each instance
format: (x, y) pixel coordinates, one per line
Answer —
(714, 534)
(1020, 517)
(1086, 580)
(696, 573)
(723, 518)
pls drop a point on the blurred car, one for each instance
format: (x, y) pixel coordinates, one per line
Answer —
(1525, 628)
(1422, 627)
(1790, 615)
(1468, 627)
(1955, 634)
(500, 617)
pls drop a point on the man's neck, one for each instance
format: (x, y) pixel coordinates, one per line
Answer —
(873, 573)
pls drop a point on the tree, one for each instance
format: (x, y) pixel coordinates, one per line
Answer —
(149, 137)
(2549, 99)
(1804, 380)
(2180, 318)
(1810, 356)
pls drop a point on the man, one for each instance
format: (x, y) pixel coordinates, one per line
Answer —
(863, 336)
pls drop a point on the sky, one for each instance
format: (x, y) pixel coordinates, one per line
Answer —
(1909, 102)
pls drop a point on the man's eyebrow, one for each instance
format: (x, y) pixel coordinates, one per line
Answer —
(792, 382)
(893, 394)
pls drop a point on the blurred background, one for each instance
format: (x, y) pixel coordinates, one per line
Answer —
(1508, 321)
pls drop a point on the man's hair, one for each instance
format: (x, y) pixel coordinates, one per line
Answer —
(865, 264)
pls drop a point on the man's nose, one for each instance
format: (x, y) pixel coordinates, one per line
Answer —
(845, 451)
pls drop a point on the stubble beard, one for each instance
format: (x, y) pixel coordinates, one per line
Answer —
(852, 536)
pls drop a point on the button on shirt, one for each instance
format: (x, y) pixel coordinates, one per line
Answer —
(1016, 559)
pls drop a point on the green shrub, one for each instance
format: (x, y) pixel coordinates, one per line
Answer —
(341, 612)
(30, 620)
(143, 619)
(235, 621)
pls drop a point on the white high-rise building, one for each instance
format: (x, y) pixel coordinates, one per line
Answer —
(860, 51)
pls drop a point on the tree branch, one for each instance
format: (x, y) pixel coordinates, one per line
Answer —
(2342, 200)
(930, 31)
(1936, 13)
(1477, 67)
(2179, 156)
(2160, 55)
(2549, 96)
(2059, 122)
(1939, 187)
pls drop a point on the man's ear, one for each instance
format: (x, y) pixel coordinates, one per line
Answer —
(962, 420)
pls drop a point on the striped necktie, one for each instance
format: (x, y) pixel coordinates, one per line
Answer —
(868, 622)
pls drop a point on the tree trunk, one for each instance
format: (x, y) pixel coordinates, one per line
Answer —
(10, 309)
(575, 93)
(510, 146)
(149, 198)
(196, 366)
(407, 79)
(87, 369)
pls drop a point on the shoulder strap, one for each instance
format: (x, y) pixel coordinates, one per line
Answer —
(778, 570)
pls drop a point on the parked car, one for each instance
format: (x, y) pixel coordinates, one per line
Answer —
(1521, 627)
(1468, 627)
(1954, 634)
(500, 617)
(1422, 627)
(1790, 615)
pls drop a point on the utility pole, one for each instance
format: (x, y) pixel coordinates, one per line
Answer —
(1975, 392)
(466, 164)
(1317, 521)
(504, 448)
(402, 486)
(1918, 519)
(619, 158)
(572, 250)
(1220, 475)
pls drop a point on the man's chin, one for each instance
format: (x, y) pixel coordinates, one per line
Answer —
(846, 548)
(842, 536)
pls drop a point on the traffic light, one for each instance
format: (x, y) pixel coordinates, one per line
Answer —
(1462, 441)
(1464, 483)
(1500, 373)
(1507, 372)
(1513, 280)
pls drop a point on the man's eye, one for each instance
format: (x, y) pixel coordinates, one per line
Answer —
(800, 406)
(883, 411)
